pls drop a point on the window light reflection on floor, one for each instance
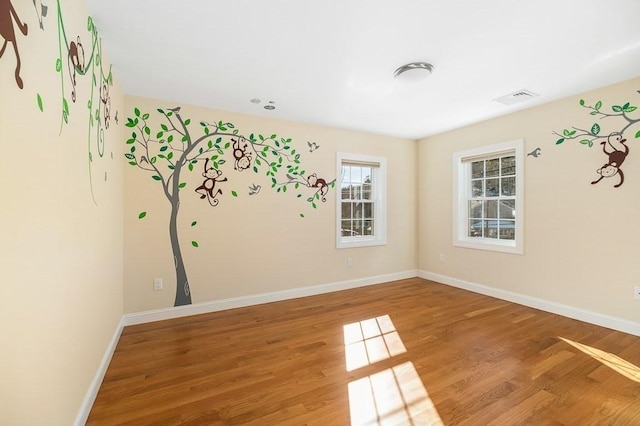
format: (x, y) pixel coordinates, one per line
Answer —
(369, 341)
(392, 396)
(612, 361)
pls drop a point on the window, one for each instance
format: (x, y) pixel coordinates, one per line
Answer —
(361, 210)
(489, 197)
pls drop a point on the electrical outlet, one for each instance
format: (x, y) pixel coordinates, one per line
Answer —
(636, 291)
(157, 284)
(349, 261)
(441, 257)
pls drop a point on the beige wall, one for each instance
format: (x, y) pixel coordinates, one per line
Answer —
(581, 240)
(60, 253)
(256, 244)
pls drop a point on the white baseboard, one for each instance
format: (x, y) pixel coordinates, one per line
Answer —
(94, 387)
(544, 305)
(257, 299)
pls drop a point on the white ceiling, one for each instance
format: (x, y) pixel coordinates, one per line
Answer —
(332, 62)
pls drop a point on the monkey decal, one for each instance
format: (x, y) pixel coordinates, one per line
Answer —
(315, 182)
(240, 154)
(106, 103)
(615, 160)
(211, 176)
(75, 62)
(7, 31)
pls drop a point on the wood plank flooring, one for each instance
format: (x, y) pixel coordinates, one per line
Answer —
(419, 353)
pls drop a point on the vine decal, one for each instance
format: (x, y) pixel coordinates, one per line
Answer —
(82, 63)
(614, 143)
(175, 149)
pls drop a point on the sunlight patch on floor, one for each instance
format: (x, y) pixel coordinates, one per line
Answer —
(370, 341)
(612, 361)
(394, 396)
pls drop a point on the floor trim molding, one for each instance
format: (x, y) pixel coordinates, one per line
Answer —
(591, 317)
(94, 387)
(257, 299)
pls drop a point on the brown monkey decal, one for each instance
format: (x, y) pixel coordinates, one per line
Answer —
(7, 31)
(106, 103)
(240, 154)
(616, 158)
(75, 62)
(315, 182)
(205, 190)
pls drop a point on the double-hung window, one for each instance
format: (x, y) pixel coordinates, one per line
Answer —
(489, 197)
(361, 208)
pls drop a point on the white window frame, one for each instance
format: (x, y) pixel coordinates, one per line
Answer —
(462, 195)
(379, 196)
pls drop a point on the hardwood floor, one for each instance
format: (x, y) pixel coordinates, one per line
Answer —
(418, 353)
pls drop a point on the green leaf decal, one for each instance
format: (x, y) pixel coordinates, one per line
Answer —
(142, 215)
(630, 109)
(616, 108)
(559, 141)
(58, 65)
(638, 134)
(182, 185)
(156, 177)
(595, 129)
(585, 141)
(301, 215)
(598, 105)
(582, 102)
(194, 223)
(194, 243)
(136, 111)
(39, 98)
(234, 193)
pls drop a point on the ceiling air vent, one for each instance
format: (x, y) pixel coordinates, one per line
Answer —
(515, 97)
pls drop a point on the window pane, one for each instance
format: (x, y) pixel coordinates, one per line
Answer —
(366, 191)
(477, 188)
(491, 209)
(475, 209)
(346, 228)
(346, 211)
(475, 228)
(346, 191)
(491, 229)
(508, 166)
(357, 210)
(508, 186)
(493, 167)
(508, 209)
(357, 227)
(477, 169)
(368, 210)
(368, 227)
(346, 174)
(356, 192)
(493, 187)
(507, 230)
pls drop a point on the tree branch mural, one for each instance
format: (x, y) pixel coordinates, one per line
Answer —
(175, 149)
(614, 143)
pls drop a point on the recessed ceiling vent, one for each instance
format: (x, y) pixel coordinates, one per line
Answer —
(515, 97)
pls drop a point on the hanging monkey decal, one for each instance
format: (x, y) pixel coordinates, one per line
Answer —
(615, 159)
(7, 16)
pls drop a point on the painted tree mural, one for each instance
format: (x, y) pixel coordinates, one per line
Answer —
(614, 143)
(178, 147)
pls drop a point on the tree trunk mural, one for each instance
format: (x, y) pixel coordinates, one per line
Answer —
(172, 150)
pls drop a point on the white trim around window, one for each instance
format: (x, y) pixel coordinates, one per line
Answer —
(361, 205)
(488, 199)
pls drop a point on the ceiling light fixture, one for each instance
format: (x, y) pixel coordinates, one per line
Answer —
(255, 101)
(410, 72)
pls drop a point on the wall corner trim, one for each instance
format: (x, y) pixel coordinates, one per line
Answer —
(591, 317)
(257, 299)
(94, 387)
